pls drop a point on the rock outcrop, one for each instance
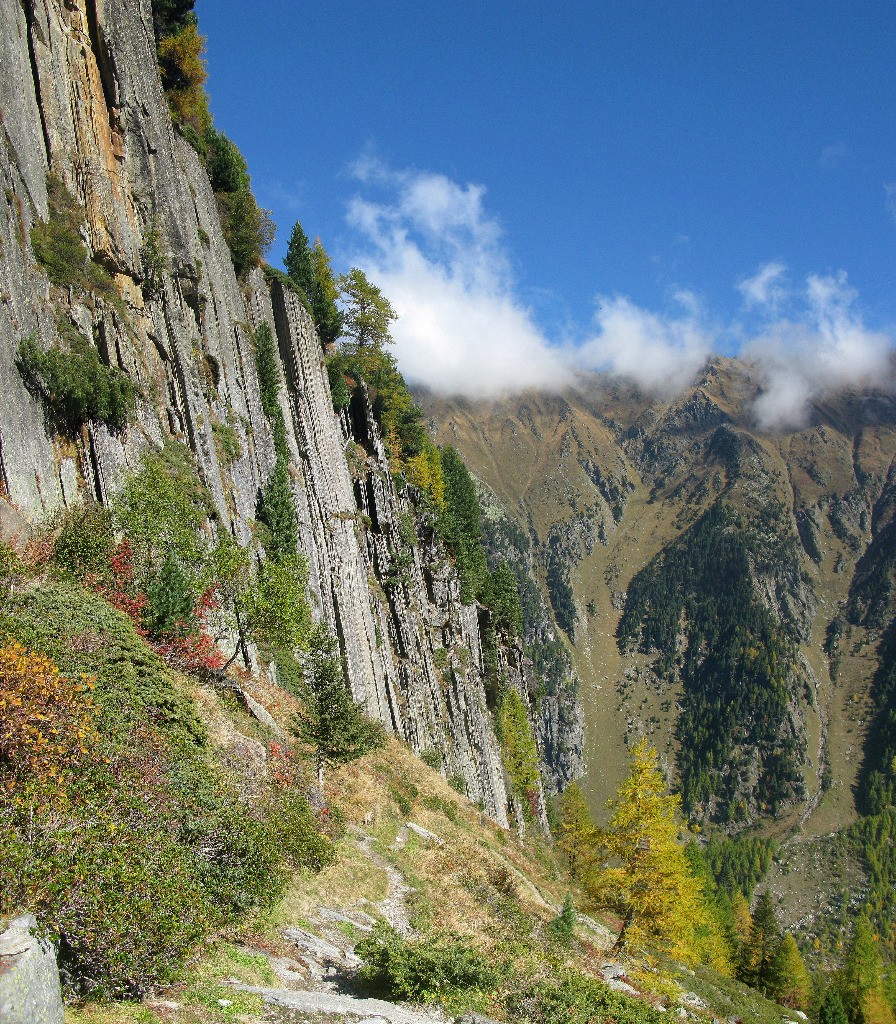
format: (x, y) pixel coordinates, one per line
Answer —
(83, 108)
(29, 980)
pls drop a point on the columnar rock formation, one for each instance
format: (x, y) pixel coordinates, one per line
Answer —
(82, 103)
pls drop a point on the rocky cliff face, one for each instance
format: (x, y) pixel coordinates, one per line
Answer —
(82, 104)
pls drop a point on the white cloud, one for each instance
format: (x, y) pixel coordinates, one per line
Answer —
(765, 288)
(661, 354)
(431, 246)
(828, 349)
(438, 257)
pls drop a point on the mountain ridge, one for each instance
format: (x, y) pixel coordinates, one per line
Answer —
(604, 479)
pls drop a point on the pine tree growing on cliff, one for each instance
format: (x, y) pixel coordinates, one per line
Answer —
(327, 316)
(299, 267)
(330, 721)
(462, 525)
(504, 601)
(368, 313)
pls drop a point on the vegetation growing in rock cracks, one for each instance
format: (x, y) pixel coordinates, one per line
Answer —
(59, 248)
(276, 507)
(76, 387)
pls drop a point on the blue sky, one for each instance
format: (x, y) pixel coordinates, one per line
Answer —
(628, 183)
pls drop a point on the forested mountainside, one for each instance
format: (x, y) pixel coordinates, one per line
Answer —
(725, 592)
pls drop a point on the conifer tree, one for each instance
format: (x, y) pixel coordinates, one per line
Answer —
(505, 601)
(647, 877)
(793, 986)
(832, 1010)
(330, 721)
(518, 749)
(324, 293)
(861, 980)
(577, 835)
(741, 926)
(758, 967)
(741, 918)
(368, 313)
(462, 525)
(298, 262)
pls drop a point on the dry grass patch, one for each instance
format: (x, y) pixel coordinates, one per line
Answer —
(353, 882)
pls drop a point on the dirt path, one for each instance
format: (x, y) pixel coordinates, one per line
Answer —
(395, 906)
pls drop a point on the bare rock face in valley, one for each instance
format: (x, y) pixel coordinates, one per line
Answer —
(85, 117)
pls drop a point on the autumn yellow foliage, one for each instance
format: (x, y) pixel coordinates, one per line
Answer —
(646, 877)
(184, 73)
(45, 717)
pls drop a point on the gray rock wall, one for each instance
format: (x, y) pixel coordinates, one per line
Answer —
(30, 992)
(81, 99)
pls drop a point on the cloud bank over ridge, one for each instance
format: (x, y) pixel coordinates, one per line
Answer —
(463, 329)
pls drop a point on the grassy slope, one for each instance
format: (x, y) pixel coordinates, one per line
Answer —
(481, 882)
(373, 794)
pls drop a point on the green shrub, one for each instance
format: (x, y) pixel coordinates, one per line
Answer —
(432, 756)
(248, 230)
(563, 927)
(138, 846)
(85, 635)
(57, 244)
(458, 783)
(85, 537)
(504, 600)
(227, 443)
(293, 831)
(425, 969)
(76, 387)
(339, 388)
(155, 263)
(576, 999)
(170, 599)
(161, 510)
(118, 893)
(227, 167)
(9, 564)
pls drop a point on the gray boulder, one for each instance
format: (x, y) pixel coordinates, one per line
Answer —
(30, 992)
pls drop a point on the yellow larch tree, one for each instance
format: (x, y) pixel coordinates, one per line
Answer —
(646, 877)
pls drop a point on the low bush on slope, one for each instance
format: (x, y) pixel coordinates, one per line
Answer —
(119, 827)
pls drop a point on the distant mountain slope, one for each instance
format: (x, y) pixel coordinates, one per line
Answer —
(722, 590)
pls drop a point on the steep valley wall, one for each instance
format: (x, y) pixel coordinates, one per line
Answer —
(82, 102)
